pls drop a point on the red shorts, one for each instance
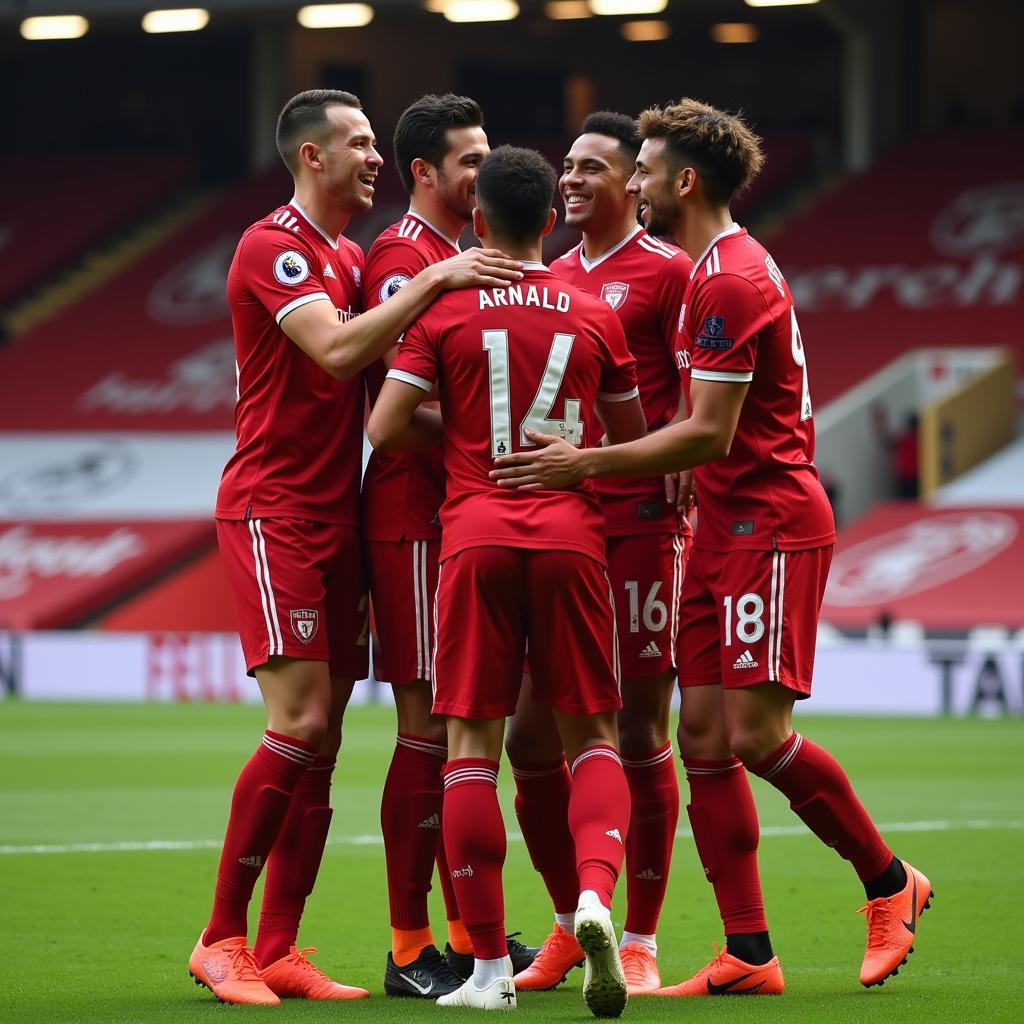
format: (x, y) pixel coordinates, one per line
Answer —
(403, 581)
(300, 591)
(492, 600)
(751, 617)
(646, 572)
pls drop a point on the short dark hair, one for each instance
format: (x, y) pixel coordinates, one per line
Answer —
(422, 130)
(515, 192)
(305, 115)
(719, 145)
(616, 126)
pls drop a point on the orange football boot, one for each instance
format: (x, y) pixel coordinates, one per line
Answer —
(228, 969)
(640, 968)
(892, 927)
(728, 976)
(557, 957)
(296, 977)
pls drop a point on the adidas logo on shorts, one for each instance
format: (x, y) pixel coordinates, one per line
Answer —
(651, 651)
(432, 822)
(648, 875)
(745, 660)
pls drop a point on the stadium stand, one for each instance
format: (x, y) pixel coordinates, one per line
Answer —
(944, 569)
(49, 227)
(996, 481)
(925, 249)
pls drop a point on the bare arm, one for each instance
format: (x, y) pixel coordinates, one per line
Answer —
(396, 423)
(705, 436)
(344, 349)
(679, 486)
(622, 421)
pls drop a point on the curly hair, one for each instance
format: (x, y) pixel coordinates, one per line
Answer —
(719, 145)
(617, 126)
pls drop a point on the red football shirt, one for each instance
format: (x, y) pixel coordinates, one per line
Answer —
(299, 430)
(535, 354)
(644, 280)
(740, 324)
(402, 493)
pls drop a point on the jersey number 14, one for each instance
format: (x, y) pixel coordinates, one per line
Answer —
(538, 418)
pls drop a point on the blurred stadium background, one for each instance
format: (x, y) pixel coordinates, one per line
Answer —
(131, 161)
(893, 199)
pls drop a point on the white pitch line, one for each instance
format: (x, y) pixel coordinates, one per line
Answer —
(767, 831)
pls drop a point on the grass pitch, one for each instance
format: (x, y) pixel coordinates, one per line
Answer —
(97, 918)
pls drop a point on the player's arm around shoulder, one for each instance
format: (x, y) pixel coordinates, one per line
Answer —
(344, 349)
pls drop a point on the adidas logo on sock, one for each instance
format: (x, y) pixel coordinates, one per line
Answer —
(651, 651)
(432, 822)
(251, 862)
(614, 833)
(648, 875)
(745, 660)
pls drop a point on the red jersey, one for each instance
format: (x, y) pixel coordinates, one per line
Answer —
(535, 354)
(299, 430)
(402, 493)
(644, 280)
(740, 324)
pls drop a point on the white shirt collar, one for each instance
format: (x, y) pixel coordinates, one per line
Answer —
(531, 265)
(332, 242)
(730, 230)
(453, 242)
(588, 265)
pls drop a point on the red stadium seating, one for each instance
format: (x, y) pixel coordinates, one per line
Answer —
(925, 249)
(59, 210)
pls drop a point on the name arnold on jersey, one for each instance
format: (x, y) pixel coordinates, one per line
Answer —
(517, 295)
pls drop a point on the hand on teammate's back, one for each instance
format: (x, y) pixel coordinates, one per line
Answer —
(556, 465)
(479, 268)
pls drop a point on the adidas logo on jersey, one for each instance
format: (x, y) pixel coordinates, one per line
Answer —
(745, 660)
(432, 822)
(651, 651)
(329, 271)
(648, 875)
(251, 862)
(614, 833)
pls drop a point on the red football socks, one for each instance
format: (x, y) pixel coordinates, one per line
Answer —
(410, 821)
(822, 797)
(542, 807)
(599, 819)
(474, 839)
(725, 831)
(295, 862)
(654, 794)
(259, 805)
(451, 903)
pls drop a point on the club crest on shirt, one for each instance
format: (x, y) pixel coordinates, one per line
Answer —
(614, 293)
(714, 326)
(304, 623)
(291, 267)
(392, 284)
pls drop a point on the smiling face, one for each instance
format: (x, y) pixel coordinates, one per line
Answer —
(654, 186)
(457, 173)
(348, 158)
(593, 183)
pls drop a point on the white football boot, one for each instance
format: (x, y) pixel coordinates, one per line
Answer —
(604, 983)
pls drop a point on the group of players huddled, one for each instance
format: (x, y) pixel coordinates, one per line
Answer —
(524, 524)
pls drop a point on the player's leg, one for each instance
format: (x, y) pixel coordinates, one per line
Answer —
(759, 721)
(481, 639)
(294, 862)
(646, 572)
(404, 579)
(574, 661)
(543, 789)
(721, 807)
